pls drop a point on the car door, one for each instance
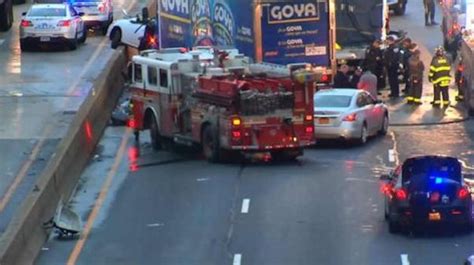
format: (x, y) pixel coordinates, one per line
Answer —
(370, 112)
(78, 24)
(363, 110)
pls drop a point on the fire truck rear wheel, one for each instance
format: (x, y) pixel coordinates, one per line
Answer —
(210, 144)
(156, 140)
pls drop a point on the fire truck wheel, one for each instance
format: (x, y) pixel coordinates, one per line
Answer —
(155, 135)
(210, 144)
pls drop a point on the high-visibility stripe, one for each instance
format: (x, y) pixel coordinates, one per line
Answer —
(409, 98)
(417, 99)
(441, 79)
(446, 102)
(437, 102)
(431, 74)
(442, 61)
(432, 67)
(441, 68)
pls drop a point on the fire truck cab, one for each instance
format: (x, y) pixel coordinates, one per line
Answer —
(211, 98)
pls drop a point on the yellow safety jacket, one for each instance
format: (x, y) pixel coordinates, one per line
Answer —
(440, 71)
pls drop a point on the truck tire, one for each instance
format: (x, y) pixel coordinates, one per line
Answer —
(400, 8)
(6, 15)
(210, 144)
(156, 139)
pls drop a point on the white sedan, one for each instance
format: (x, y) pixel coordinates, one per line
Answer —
(131, 32)
(348, 114)
(52, 23)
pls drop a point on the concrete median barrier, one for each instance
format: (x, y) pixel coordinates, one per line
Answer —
(25, 235)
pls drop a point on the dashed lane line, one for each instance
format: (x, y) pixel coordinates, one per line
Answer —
(237, 259)
(404, 259)
(245, 205)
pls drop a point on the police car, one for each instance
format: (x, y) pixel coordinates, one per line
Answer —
(427, 190)
(98, 14)
(52, 23)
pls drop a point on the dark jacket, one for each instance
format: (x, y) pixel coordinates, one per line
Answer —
(342, 81)
(392, 57)
(374, 59)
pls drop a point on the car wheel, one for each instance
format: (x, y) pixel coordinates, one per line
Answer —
(116, 38)
(364, 134)
(156, 139)
(73, 43)
(400, 8)
(84, 36)
(6, 16)
(385, 123)
(393, 227)
(24, 46)
(210, 144)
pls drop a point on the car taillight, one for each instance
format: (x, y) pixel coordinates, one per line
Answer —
(236, 134)
(308, 117)
(351, 117)
(64, 23)
(325, 78)
(386, 188)
(26, 23)
(463, 193)
(309, 129)
(131, 123)
(401, 194)
(434, 197)
(151, 41)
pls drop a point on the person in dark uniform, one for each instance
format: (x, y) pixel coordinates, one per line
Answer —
(459, 79)
(405, 54)
(415, 77)
(374, 63)
(440, 76)
(356, 77)
(391, 63)
(429, 12)
(342, 79)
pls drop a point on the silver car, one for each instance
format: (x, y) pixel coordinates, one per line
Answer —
(98, 14)
(348, 114)
(52, 23)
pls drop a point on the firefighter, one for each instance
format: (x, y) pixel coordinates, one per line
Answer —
(429, 12)
(459, 79)
(392, 64)
(374, 63)
(440, 76)
(415, 69)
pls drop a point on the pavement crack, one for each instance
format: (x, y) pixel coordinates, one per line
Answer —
(234, 211)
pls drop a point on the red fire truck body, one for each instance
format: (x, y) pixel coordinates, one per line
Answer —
(182, 97)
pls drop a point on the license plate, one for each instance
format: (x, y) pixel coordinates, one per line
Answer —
(434, 216)
(44, 39)
(323, 120)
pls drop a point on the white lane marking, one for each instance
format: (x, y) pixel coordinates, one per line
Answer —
(391, 155)
(202, 179)
(395, 149)
(404, 258)
(155, 225)
(245, 205)
(237, 259)
(2, 41)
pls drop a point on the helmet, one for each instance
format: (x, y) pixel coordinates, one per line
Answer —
(439, 51)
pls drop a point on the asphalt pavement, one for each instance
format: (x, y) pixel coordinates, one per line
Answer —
(172, 207)
(40, 91)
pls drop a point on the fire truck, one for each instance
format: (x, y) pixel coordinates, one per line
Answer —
(219, 101)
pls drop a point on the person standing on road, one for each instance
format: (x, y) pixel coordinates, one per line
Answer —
(459, 79)
(392, 63)
(429, 12)
(342, 78)
(415, 69)
(374, 63)
(405, 54)
(440, 76)
(368, 82)
(356, 77)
